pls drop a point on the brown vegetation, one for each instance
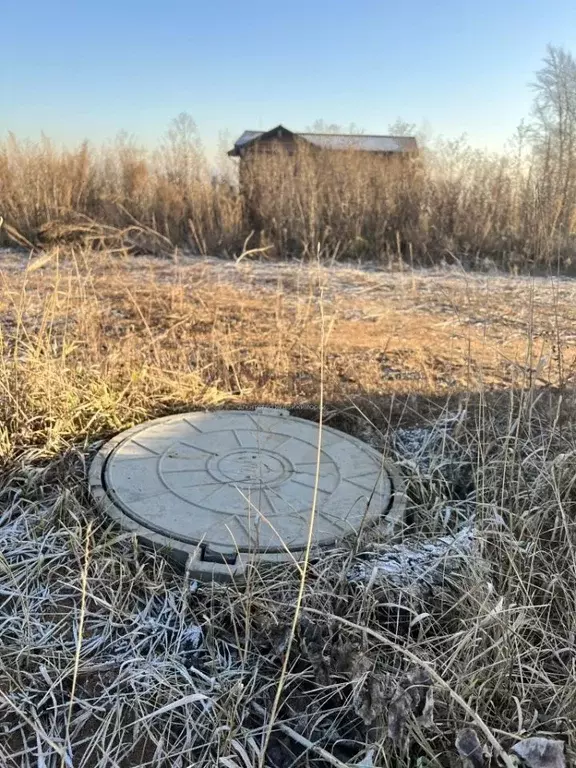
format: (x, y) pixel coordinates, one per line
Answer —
(160, 336)
(108, 657)
(111, 659)
(454, 204)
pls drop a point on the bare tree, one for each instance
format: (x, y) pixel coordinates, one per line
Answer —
(321, 126)
(182, 152)
(554, 132)
(401, 127)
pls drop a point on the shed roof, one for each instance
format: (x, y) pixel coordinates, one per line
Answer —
(246, 137)
(337, 141)
(361, 142)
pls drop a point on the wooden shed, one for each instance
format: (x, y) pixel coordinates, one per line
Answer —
(280, 137)
(253, 147)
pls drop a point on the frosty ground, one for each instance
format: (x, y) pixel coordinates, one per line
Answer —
(111, 658)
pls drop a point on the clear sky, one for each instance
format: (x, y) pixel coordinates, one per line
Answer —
(90, 68)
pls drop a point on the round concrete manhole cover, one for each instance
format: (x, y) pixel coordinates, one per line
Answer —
(223, 489)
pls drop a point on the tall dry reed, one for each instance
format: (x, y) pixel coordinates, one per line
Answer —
(454, 203)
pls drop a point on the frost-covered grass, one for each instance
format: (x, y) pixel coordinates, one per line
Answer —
(109, 657)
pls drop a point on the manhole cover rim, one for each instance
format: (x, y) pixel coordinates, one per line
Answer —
(190, 553)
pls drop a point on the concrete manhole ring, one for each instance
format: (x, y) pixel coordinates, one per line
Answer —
(223, 489)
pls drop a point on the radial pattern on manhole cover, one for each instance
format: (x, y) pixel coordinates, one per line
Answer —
(222, 489)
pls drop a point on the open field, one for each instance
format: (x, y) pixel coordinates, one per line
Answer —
(252, 329)
(109, 659)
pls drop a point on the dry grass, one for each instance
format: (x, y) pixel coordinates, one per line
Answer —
(110, 659)
(455, 205)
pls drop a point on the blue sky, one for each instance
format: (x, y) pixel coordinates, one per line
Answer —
(91, 68)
